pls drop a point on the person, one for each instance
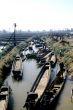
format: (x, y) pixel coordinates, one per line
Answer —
(72, 95)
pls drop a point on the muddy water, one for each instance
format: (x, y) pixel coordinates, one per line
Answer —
(64, 102)
(20, 88)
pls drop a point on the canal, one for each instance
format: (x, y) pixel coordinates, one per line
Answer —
(20, 88)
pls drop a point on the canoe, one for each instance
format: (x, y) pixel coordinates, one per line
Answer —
(39, 87)
(17, 67)
(44, 59)
(52, 92)
(4, 96)
(53, 60)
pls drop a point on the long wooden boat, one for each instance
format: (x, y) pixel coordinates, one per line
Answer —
(52, 92)
(39, 87)
(45, 59)
(53, 60)
(4, 96)
(17, 67)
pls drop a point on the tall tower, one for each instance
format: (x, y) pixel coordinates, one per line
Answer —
(14, 34)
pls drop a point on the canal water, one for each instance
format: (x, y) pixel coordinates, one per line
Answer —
(64, 101)
(20, 88)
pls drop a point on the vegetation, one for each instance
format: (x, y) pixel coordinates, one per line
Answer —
(7, 59)
(6, 62)
(64, 51)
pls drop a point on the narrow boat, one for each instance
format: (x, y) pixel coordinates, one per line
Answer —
(17, 67)
(4, 96)
(53, 60)
(39, 87)
(44, 59)
(51, 94)
(23, 56)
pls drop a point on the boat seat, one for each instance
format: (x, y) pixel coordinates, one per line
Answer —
(56, 86)
(4, 93)
(55, 89)
(2, 97)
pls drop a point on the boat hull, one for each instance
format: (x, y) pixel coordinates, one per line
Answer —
(4, 97)
(53, 60)
(33, 102)
(51, 94)
(17, 68)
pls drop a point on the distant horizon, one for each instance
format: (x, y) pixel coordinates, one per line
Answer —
(28, 30)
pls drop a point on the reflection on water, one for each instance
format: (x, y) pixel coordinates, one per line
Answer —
(20, 88)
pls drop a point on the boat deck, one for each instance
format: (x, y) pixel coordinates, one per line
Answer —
(3, 105)
(43, 82)
(53, 58)
(18, 65)
(47, 59)
(46, 56)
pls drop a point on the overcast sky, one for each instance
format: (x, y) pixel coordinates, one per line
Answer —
(36, 14)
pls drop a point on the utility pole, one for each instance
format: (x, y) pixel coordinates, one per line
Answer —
(14, 34)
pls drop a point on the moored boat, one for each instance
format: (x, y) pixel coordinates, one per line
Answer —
(39, 87)
(53, 60)
(51, 94)
(4, 96)
(17, 67)
(45, 59)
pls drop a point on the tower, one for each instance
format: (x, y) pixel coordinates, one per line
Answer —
(14, 34)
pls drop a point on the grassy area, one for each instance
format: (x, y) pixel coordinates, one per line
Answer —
(64, 51)
(6, 60)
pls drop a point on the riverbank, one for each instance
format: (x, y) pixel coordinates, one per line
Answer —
(64, 51)
(6, 60)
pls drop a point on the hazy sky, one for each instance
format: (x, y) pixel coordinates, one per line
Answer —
(36, 14)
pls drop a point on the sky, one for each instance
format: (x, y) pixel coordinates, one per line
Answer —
(36, 15)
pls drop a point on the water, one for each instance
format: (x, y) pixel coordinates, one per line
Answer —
(20, 88)
(64, 101)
